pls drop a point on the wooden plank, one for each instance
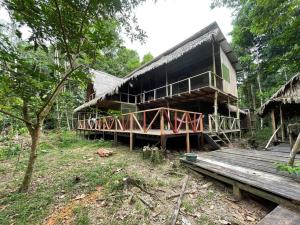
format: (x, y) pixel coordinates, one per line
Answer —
(258, 192)
(265, 181)
(253, 164)
(262, 154)
(281, 216)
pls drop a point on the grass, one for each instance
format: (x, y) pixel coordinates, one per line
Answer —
(67, 168)
(81, 216)
(61, 158)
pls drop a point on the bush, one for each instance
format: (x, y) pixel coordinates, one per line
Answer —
(9, 151)
(290, 169)
(154, 154)
(260, 137)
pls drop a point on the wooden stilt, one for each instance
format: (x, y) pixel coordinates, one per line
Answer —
(273, 124)
(282, 125)
(188, 148)
(202, 139)
(237, 194)
(163, 142)
(131, 133)
(162, 122)
(115, 139)
(216, 112)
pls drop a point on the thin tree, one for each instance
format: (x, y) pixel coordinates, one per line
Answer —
(79, 29)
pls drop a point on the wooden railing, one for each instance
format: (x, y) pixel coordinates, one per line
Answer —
(222, 123)
(160, 120)
(176, 88)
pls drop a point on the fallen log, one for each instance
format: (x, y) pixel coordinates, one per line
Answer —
(178, 194)
(176, 211)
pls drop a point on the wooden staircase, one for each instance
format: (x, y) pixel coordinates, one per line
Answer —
(216, 140)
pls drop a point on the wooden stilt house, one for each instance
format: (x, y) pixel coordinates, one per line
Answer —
(188, 91)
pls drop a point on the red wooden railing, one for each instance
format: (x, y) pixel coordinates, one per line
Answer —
(158, 121)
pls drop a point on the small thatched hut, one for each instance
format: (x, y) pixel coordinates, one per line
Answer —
(284, 106)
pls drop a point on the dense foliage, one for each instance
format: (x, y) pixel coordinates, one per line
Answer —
(266, 37)
(31, 81)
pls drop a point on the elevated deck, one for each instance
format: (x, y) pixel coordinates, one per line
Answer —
(159, 122)
(252, 171)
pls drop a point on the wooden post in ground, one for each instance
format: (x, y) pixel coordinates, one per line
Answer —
(237, 194)
(115, 139)
(187, 130)
(281, 124)
(273, 124)
(131, 131)
(163, 142)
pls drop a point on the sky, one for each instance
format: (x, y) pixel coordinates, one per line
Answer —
(168, 22)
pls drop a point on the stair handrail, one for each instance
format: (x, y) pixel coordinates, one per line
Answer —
(271, 138)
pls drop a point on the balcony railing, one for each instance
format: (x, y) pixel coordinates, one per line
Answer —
(179, 87)
(157, 121)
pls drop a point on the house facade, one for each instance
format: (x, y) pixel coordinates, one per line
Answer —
(189, 90)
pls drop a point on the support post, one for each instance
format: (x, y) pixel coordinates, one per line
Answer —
(163, 142)
(273, 124)
(131, 133)
(216, 111)
(175, 121)
(238, 118)
(188, 149)
(282, 125)
(209, 123)
(162, 122)
(115, 139)
(237, 194)
(145, 121)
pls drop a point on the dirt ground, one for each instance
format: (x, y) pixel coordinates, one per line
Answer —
(124, 189)
(206, 202)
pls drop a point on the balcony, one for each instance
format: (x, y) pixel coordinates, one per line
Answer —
(187, 85)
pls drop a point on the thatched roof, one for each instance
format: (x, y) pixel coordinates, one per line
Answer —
(288, 93)
(207, 34)
(102, 84)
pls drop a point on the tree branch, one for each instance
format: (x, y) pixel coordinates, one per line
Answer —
(63, 34)
(15, 116)
(81, 26)
(47, 106)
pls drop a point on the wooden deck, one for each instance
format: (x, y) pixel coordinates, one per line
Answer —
(252, 171)
(281, 216)
(159, 122)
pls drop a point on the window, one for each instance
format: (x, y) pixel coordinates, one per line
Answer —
(225, 73)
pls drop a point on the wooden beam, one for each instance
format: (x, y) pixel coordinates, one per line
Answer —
(131, 129)
(261, 193)
(188, 149)
(162, 122)
(216, 111)
(281, 124)
(237, 194)
(273, 124)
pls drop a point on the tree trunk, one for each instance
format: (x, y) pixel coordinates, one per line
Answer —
(35, 136)
(67, 119)
(58, 117)
(294, 151)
